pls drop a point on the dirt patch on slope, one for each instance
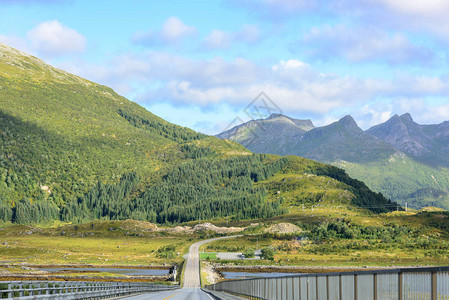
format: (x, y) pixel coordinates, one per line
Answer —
(283, 228)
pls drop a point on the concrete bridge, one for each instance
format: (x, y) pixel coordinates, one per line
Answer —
(407, 283)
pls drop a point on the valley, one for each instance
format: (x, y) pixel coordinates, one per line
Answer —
(90, 180)
(327, 239)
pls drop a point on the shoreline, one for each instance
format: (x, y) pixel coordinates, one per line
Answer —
(35, 273)
(89, 266)
(82, 278)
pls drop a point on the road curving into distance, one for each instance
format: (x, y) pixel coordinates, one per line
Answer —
(192, 270)
(191, 283)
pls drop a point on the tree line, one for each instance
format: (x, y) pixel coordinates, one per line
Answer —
(199, 189)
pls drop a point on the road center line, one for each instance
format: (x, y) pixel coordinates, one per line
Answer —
(166, 298)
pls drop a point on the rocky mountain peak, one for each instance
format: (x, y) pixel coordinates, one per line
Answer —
(349, 123)
(407, 117)
(305, 125)
(275, 116)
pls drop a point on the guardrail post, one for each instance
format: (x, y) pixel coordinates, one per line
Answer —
(375, 286)
(265, 288)
(434, 291)
(327, 287)
(10, 293)
(355, 287)
(293, 288)
(400, 291)
(307, 285)
(341, 290)
(21, 293)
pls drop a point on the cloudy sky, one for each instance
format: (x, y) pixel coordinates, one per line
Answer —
(202, 63)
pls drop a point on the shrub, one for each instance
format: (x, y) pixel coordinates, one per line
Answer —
(249, 253)
(267, 253)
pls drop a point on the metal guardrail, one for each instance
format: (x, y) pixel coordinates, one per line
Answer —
(397, 284)
(75, 289)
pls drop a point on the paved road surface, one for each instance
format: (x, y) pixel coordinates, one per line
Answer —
(191, 289)
(182, 294)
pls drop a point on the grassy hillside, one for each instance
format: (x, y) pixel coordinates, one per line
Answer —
(76, 150)
(67, 133)
(404, 179)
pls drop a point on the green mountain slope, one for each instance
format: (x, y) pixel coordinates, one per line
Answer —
(58, 126)
(75, 150)
(401, 159)
(403, 179)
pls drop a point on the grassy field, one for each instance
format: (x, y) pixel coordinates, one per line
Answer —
(38, 249)
(91, 244)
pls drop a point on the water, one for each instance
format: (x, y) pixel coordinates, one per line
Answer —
(130, 272)
(243, 275)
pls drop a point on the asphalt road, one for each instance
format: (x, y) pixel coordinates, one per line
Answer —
(181, 294)
(191, 289)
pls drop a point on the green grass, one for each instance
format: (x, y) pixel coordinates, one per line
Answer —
(90, 250)
(307, 189)
(83, 244)
(208, 255)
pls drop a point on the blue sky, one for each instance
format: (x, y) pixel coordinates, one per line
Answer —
(201, 63)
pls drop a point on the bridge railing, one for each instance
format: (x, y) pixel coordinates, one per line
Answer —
(75, 289)
(396, 284)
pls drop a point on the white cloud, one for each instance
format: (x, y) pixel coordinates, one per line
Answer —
(173, 31)
(52, 38)
(287, 4)
(295, 86)
(275, 9)
(413, 16)
(218, 39)
(365, 44)
(429, 15)
(249, 34)
(424, 110)
(420, 8)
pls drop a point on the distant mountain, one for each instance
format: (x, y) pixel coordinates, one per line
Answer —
(276, 134)
(427, 143)
(400, 158)
(342, 140)
(74, 150)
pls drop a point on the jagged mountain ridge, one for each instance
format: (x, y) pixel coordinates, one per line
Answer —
(274, 128)
(429, 143)
(412, 149)
(328, 143)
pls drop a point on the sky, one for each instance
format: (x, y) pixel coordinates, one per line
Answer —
(212, 64)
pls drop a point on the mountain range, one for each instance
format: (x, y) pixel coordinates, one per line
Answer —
(76, 151)
(405, 161)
